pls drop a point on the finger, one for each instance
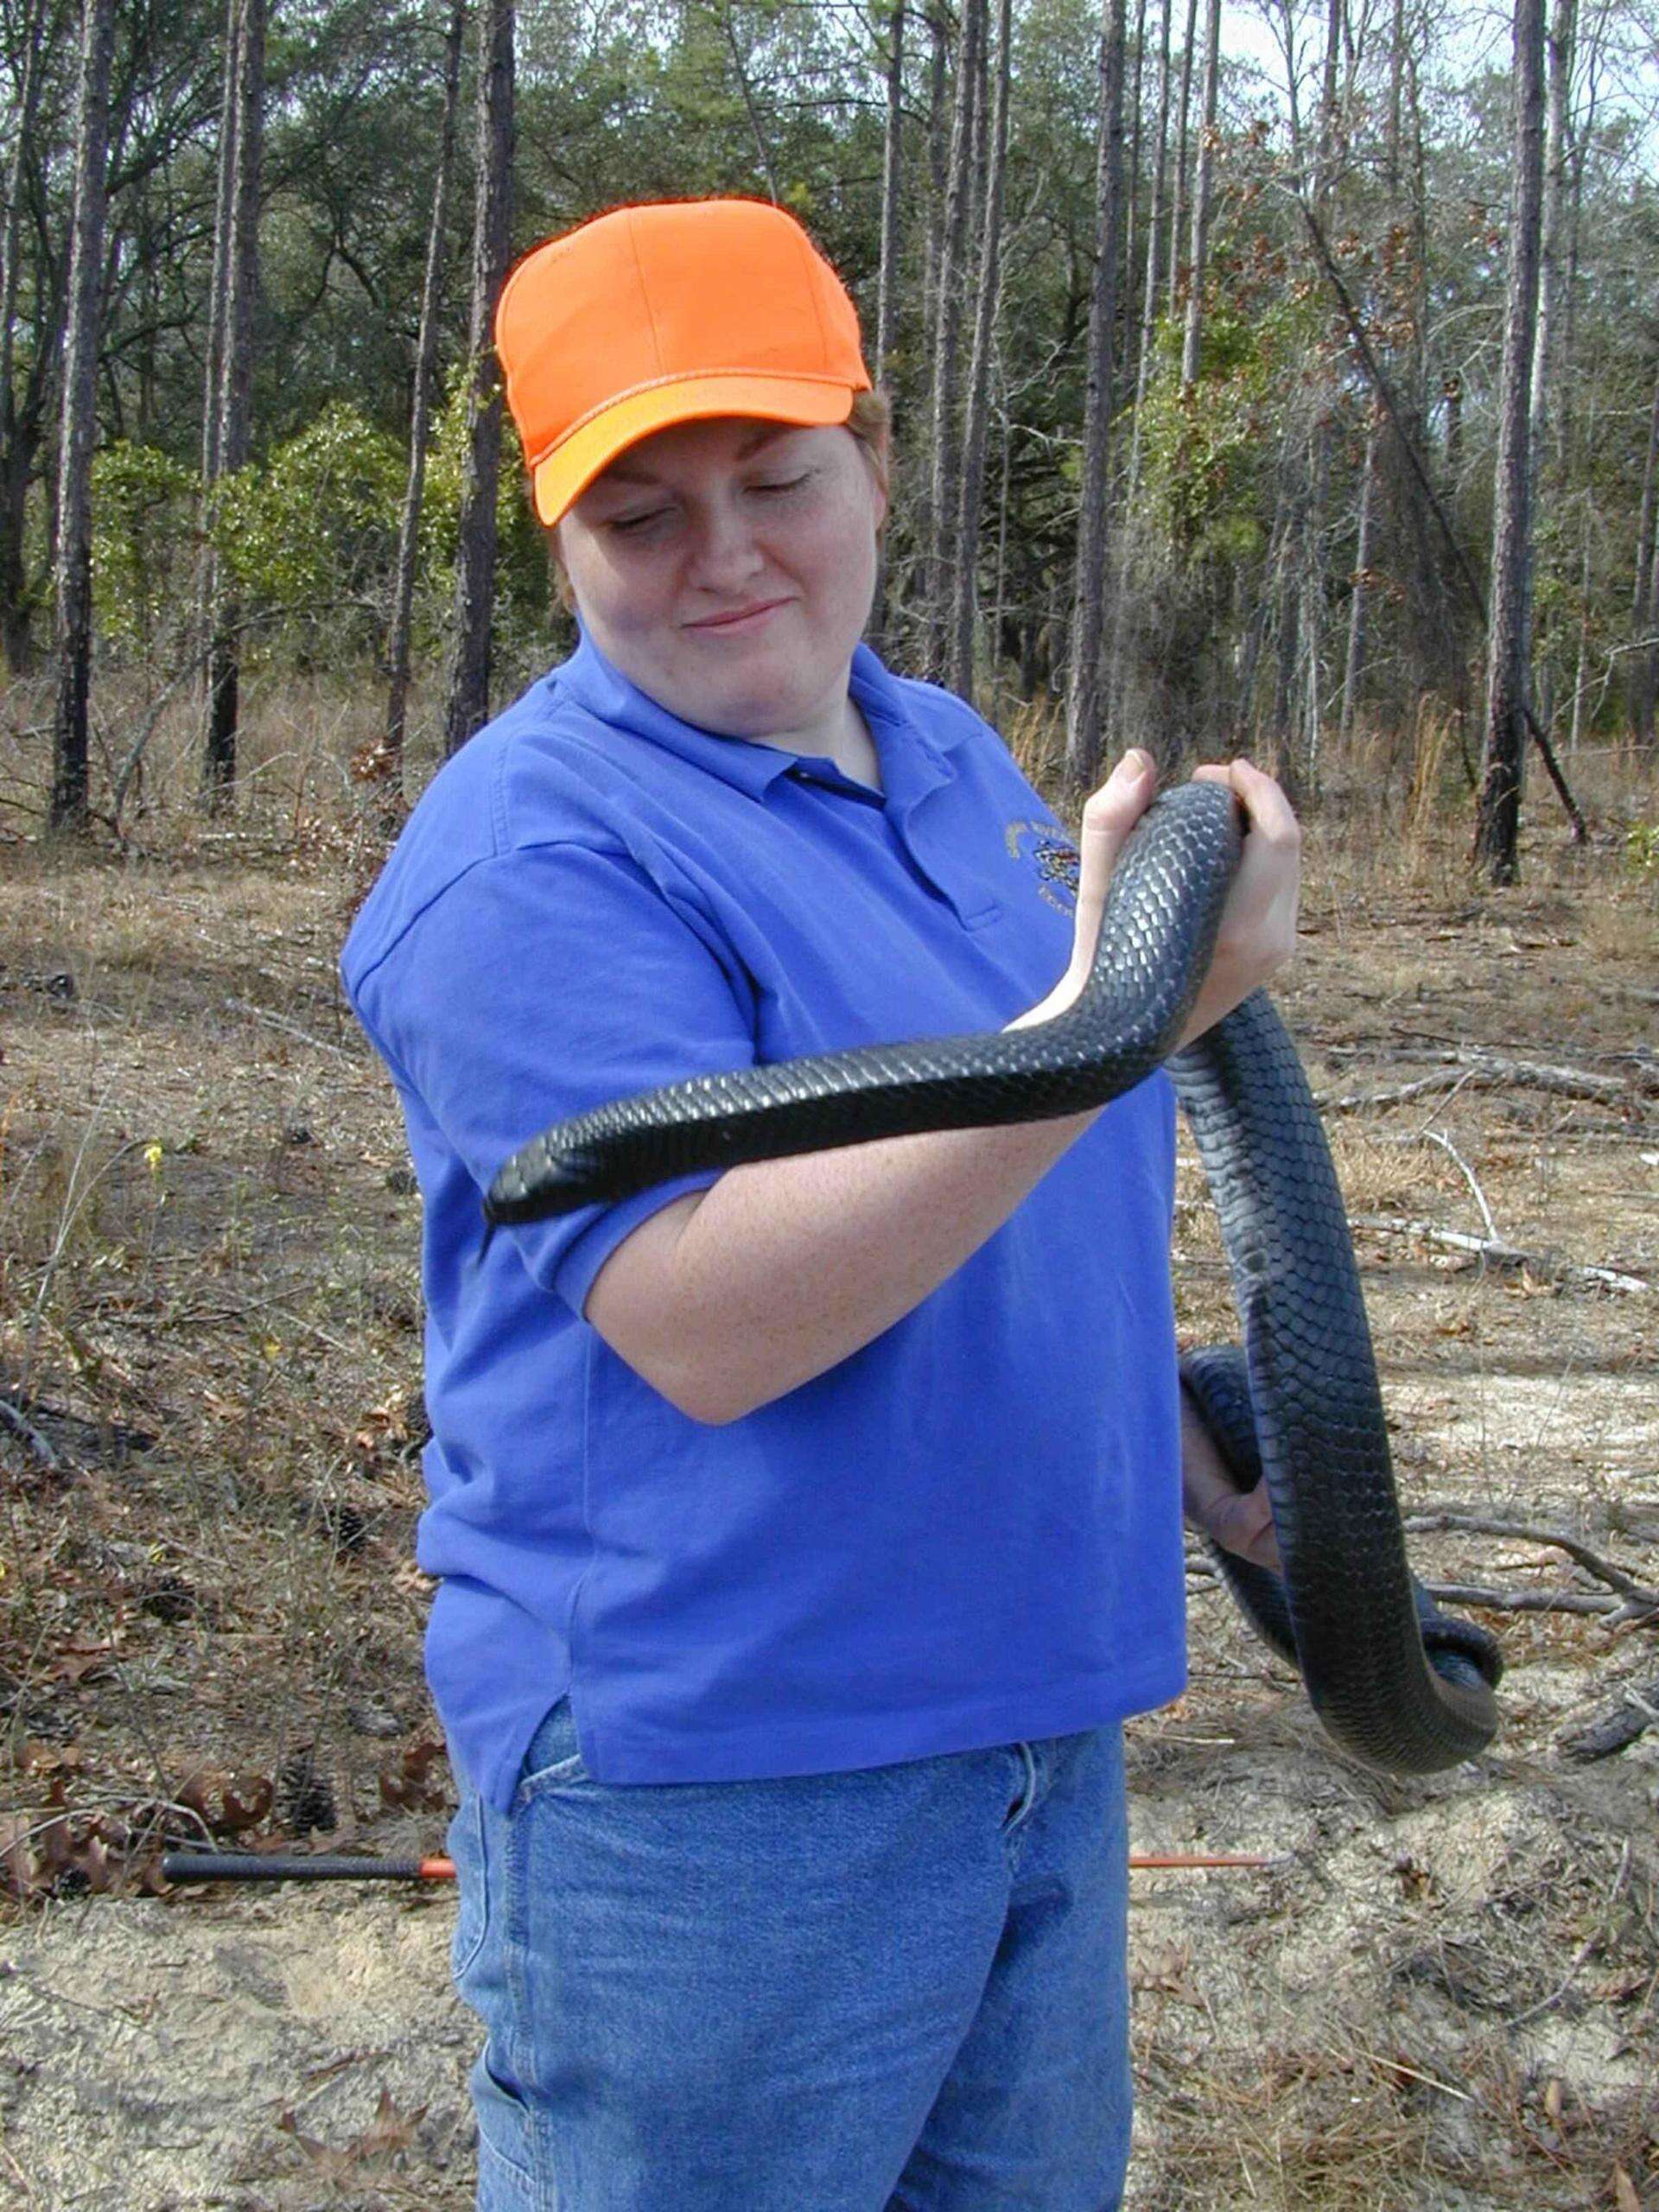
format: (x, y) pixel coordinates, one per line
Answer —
(1241, 1522)
(1264, 1541)
(1264, 801)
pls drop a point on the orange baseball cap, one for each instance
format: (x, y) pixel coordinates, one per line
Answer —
(666, 313)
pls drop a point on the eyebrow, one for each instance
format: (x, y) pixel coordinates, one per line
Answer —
(618, 472)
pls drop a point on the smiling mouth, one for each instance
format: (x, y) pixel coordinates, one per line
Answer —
(750, 618)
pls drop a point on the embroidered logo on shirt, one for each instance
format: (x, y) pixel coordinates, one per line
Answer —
(1053, 856)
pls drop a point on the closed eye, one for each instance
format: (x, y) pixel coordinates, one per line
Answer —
(629, 526)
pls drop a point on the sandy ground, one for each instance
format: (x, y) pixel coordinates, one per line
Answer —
(1444, 1995)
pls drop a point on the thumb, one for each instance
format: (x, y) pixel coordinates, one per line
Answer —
(1109, 814)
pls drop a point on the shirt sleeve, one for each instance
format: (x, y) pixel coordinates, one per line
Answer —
(542, 983)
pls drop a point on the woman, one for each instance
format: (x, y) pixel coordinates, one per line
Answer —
(805, 1531)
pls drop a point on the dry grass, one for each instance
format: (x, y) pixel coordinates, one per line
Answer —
(209, 1309)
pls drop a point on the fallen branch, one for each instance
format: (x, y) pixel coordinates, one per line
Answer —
(13, 1421)
(1492, 1252)
(1529, 1601)
(1631, 1713)
(1476, 1524)
(1612, 1610)
(1484, 1071)
(1433, 1136)
(288, 1028)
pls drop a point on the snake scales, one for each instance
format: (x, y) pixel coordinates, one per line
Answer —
(1395, 1683)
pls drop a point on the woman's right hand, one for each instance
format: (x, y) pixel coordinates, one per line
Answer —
(1258, 933)
(1258, 923)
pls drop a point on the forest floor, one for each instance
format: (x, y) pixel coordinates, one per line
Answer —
(1444, 1991)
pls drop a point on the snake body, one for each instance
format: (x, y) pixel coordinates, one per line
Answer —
(1395, 1683)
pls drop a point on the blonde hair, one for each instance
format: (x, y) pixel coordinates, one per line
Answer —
(870, 422)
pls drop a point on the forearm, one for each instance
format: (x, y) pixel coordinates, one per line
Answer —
(786, 1266)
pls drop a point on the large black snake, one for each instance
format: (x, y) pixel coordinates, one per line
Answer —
(1397, 1684)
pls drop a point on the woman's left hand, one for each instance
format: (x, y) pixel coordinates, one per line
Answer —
(1238, 1520)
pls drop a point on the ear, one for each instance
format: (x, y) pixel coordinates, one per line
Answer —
(562, 592)
(877, 490)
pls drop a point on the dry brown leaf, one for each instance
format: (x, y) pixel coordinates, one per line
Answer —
(80, 1662)
(1624, 2194)
(417, 1781)
(390, 2129)
(389, 2132)
(332, 2166)
(224, 1804)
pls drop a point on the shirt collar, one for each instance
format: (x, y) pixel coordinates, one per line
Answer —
(593, 681)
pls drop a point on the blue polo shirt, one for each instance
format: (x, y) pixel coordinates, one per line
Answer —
(966, 1534)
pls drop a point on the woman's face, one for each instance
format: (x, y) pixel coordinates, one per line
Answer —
(726, 567)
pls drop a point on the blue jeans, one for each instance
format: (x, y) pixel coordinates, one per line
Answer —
(898, 1989)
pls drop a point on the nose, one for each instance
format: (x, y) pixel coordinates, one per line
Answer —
(724, 552)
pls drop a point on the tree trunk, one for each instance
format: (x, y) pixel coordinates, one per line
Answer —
(1396, 74)
(886, 297)
(1310, 582)
(938, 57)
(1128, 351)
(1202, 186)
(470, 682)
(19, 436)
(224, 220)
(1328, 117)
(1149, 287)
(1560, 63)
(16, 472)
(1645, 606)
(206, 580)
(923, 521)
(1085, 701)
(426, 362)
(1544, 451)
(739, 67)
(997, 610)
(1177, 199)
(961, 678)
(947, 349)
(1289, 536)
(1354, 662)
(1149, 293)
(1575, 727)
(1498, 811)
(976, 125)
(74, 540)
(1647, 527)
(236, 382)
(1360, 584)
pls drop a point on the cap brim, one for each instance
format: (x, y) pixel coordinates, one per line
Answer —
(568, 471)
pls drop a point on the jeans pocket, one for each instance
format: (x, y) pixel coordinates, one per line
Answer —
(466, 1849)
(553, 1759)
(506, 2132)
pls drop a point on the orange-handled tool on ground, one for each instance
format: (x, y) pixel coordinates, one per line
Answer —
(336, 1866)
